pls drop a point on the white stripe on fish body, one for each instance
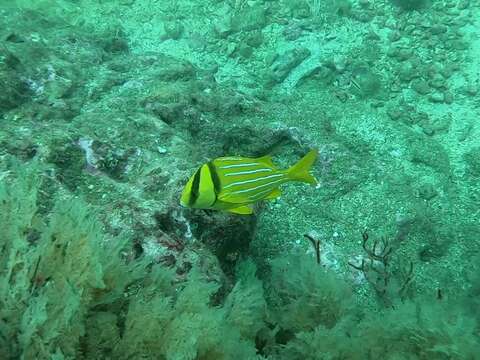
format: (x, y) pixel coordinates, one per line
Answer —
(260, 194)
(259, 186)
(248, 172)
(230, 159)
(238, 165)
(254, 180)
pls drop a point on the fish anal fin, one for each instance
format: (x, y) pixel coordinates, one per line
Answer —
(242, 210)
(274, 194)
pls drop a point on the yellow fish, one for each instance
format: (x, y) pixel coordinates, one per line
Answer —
(234, 184)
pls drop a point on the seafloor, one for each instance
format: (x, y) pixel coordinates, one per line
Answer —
(108, 107)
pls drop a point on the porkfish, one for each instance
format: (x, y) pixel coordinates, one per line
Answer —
(234, 184)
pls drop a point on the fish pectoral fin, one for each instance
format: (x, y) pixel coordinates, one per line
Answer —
(274, 194)
(232, 198)
(243, 210)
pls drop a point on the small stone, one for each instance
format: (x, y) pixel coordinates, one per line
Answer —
(459, 45)
(420, 86)
(292, 32)
(173, 30)
(231, 48)
(430, 252)
(394, 113)
(372, 35)
(392, 51)
(245, 51)
(377, 104)
(364, 16)
(394, 36)
(404, 54)
(427, 191)
(391, 24)
(435, 67)
(407, 72)
(438, 82)
(463, 4)
(14, 38)
(255, 39)
(471, 90)
(286, 62)
(420, 117)
(249, 18)
(409, 29)
(161, 150)
(427, 129)
(339, 63)
(223, 28)
(435, 126)
(395, 88)
(437, 97)
(448, 97)
(438, 29)
(447, 71)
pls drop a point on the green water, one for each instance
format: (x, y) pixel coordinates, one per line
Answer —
(107, 108)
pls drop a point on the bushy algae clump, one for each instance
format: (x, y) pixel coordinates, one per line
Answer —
(70, 291)
(66, 292)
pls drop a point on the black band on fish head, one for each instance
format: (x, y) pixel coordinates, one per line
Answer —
(215, 178)
(194, 191)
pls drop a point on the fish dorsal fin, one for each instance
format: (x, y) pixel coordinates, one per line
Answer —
(243, 210)
(267, 160)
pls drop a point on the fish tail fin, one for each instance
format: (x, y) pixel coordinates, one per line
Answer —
(300, 171)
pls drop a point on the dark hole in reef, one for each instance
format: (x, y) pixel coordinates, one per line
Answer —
(32, 235)
(137, 249)
(167, 223)
(410, 5)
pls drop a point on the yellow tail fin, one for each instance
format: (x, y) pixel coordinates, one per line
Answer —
(300, 171)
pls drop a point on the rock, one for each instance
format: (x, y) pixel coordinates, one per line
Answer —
(255, 39)
(438, 29)
(438, 82)
(223, 28)
(427, 191)
(285, 63)
(173, 30)
(404, 54)
(435, 126)
(407, 72)
(429, 253)
(369, 82)
(471, 90)
(245, 51)
(15, 91)
(394, 36)
(170, 69)
(249, 19)
(448, 96)
(420, 86)
(472, 162)
(463, 4)
(227, 236)
(410, 5)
